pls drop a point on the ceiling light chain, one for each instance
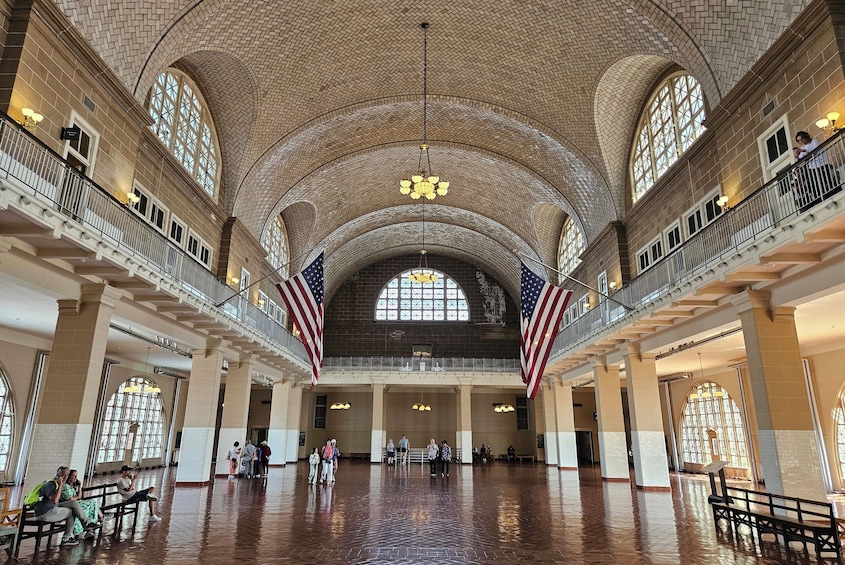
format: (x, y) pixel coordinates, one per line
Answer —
(422, 274)
(423, 183)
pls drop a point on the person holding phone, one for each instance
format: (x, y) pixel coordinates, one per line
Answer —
(126, 487)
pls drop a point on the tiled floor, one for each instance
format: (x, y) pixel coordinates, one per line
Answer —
(374, 514)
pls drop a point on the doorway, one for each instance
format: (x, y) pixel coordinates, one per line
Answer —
(584, 447)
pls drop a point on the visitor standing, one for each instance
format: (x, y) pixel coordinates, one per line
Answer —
(404, 445)
(433, 452)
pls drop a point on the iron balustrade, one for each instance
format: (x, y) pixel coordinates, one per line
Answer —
(421, 364)
(25, 159)
(794, 191)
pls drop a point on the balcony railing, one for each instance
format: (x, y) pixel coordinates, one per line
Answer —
(27, 160)
(421, 364)
(799, 188)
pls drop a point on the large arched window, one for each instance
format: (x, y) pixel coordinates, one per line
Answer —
(276, 245)
(672, 120)
(183, 124)
(712, 428)
(7, 421)
(440, 301)
(133, 424)
(839, 419)
(571, 248)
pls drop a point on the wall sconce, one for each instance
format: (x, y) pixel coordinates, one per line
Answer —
(31, 118)
(723, 202)
(828, 124)
(612, 285)
(235, 281)
(132, 198)
(261, 302)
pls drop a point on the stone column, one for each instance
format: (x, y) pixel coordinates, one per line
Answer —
(377, 439)
(62, 433)
(200, 416)
(648, 440)
(613, 448)
(464, 435)
(788, 450)
(235, 412)
(292, 422)
(565, 415)
(547, 390)
(277, 434)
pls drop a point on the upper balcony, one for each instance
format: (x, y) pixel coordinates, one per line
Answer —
(61, 214)
(792, 222)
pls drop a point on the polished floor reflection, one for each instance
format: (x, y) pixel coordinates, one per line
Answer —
(375, 514)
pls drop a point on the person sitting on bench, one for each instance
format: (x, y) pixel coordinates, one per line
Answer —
(48, 509)
(126, 487)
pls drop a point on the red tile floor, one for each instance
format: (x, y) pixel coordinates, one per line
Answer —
(375, 514)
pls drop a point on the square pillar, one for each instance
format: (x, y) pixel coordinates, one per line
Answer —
(277, 437)
(235, 412)
(294, 412)
(613, 448)
(789, 452)
(648, 440)
(62, 433)
(200, 416)
(377, 437)
(547, 392)
(464, 435)
(567, 448)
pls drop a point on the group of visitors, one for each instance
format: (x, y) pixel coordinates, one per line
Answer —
(441, 455)
(253, 461)
(817, 180)
(60, 499)
(483, 454)
(327, 455)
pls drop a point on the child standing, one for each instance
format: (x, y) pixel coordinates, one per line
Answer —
(314, 462)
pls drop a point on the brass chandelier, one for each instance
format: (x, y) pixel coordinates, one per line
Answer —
(423, 183)
(422, 274)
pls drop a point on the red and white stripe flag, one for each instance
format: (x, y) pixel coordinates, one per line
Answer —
(303, 296)
(542, 309)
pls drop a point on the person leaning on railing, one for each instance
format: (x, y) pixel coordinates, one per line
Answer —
(817, 178)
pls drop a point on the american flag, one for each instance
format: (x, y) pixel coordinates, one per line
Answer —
(303, 296)
(543, 306)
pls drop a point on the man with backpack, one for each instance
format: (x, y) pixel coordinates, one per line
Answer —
(47, 508)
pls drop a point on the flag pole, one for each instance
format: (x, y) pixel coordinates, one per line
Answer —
(600, 293)
(264, 278)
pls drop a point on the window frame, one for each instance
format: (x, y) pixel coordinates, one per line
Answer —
(180, 243)
(673, 227)
(570, 248)
(772, 168)
(201, 245)
(87, 161)
(409, 301)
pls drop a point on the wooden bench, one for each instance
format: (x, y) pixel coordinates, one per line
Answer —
(362, 456)
(110, 502)
(521, 458)
(785, 517)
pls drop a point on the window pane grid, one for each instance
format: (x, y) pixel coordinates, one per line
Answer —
(674, 119)
(710, 410)
(183, 125)
(571, 248)
(132, 420)
(405, 300)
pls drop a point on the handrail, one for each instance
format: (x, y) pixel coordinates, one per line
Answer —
(26, 159)
(801, 187)
(424, 364)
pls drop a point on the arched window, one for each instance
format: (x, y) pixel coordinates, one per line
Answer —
(712, 428)
(440, 301)
(7, 421)
(133, 422)
(276, 245)
(183, 124)
(839, 418)
(571, 248)
(672, 120)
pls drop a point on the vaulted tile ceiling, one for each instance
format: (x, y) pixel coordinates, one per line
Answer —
(531, 111)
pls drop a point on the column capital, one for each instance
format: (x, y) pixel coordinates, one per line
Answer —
(68, 307)
(749, 299)
(103, 293)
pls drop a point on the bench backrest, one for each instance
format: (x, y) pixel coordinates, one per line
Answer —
(781, 505)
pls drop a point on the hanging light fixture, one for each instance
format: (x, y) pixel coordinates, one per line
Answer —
(421, 406)
(423, 183)
(422, 274)
(503, 407)
(143, 388)
(340, 406)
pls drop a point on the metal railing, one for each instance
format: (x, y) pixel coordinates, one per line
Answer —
(421, 364)
(799, 188)
(27, 160)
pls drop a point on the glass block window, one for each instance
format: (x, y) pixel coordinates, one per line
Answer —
(276, 245)
(712, 428)
(7, 421)
(183, 124)
(673, 119)
(134, 420)
(407, 301)
(571, 248)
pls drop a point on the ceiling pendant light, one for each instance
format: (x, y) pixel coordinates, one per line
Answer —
(422, 274)
(423, 183)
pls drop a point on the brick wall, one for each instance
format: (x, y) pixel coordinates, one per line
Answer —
(350, 328)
